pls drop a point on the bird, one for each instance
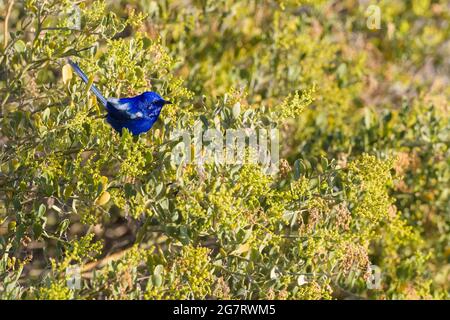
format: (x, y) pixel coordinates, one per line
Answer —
(137, 114)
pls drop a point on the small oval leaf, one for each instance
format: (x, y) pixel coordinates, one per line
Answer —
(103, 199)
(66, 73)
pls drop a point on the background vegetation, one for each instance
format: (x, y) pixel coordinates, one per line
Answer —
(364, 174)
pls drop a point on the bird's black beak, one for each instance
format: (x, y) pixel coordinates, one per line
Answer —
(167, 102)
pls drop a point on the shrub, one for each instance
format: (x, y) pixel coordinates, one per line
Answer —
(363, 178)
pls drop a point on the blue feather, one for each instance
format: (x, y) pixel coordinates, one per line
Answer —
(137, 114)
(83, 76)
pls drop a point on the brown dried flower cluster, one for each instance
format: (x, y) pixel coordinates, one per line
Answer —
(343, 216)
(355, 259)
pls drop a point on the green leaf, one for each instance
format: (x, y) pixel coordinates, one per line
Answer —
(63, 226)
(66, 73)
(46, 114)
(20, 46)
(37, 230)
(157, 280)
(159, 269)
(41, 211)
(159, 188)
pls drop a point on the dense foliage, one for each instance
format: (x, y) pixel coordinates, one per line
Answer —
(364, 173)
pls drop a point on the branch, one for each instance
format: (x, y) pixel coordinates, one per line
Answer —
(8, 14)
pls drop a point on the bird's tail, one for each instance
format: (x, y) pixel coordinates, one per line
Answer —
(83, 76)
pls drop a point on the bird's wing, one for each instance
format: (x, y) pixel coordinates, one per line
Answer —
(124, 109)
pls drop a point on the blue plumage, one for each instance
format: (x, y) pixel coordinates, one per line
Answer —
(137, 114)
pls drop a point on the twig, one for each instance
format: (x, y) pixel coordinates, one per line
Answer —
(8, 14)
(100, 263)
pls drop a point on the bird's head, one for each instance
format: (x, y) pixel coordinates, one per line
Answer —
(154, 99)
